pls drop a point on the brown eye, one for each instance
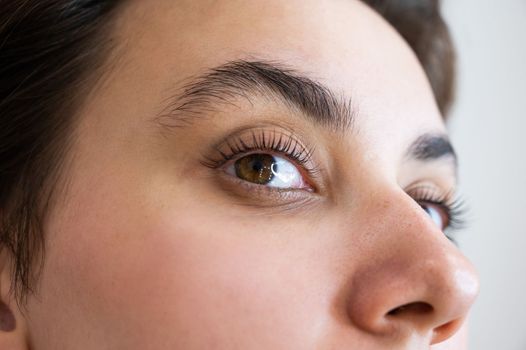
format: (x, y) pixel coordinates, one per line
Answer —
(256, 168)
(268, 170)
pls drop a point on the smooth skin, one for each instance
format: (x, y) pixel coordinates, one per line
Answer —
(148, 248)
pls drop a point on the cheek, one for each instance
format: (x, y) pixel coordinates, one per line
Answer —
(181, 273)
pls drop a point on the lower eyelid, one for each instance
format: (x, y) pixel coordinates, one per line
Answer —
(262, 196)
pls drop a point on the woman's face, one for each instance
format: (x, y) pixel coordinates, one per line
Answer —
(255, 175)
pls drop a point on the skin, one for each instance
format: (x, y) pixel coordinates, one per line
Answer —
(147, 248)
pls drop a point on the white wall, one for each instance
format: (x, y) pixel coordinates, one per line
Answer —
(489, 131)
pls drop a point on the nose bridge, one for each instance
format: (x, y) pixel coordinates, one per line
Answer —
(411, 278)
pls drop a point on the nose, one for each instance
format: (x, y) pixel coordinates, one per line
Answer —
(412, 280)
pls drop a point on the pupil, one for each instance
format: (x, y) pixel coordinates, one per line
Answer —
(256, 168)
(257, 165)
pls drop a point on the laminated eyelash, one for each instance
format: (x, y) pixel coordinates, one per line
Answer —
(260, 141)
(456, 209)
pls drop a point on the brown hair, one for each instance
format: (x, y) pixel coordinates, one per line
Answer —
(51, 50)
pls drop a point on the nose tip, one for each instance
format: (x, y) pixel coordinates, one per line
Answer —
(452, 304)
(401, 295)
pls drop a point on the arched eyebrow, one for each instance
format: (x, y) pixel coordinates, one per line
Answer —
(224, 84)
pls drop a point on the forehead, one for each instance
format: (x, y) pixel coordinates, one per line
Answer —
(341, 43)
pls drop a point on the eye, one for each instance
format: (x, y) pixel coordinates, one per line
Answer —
(438, 213)
(268, 170)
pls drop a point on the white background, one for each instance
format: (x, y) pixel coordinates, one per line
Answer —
(489, 131)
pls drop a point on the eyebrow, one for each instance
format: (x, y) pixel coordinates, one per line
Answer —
(224, 84)
(429, 147)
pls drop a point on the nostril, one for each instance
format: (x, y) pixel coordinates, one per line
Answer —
(418, 308)
(421, 315)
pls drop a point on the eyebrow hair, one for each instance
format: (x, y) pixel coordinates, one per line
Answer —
(247, 79)
(429, 147)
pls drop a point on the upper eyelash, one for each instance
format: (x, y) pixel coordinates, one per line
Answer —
(456, 208)
(264, 140)
(457, 214)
